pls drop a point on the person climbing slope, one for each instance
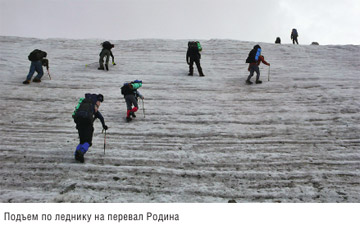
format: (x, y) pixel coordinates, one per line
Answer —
(294, 36)
(106, 52)
(254, 59)
(193, 55)
(37, 58)
(84, 116)
(131, 95)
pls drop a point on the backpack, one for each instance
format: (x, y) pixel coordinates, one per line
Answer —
(199, 46)
(123, 88)
(107, 45)
(294, 32)
(195, 45)
(136, 84)
(84, 112)
(254, 55)
(36, 55)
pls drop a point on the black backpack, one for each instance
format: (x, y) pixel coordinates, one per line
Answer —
(254, 55)
(85, 114)
(251, 57)
(123, 89)
(194, 46)
(107, 45)
(126, 90)
(36, 55)
(294, 33)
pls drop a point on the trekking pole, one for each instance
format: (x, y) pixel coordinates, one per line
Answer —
(269, 74)
(143, 107)
(48, 73)
(104, 140)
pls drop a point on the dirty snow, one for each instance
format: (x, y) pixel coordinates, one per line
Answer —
(295, 138)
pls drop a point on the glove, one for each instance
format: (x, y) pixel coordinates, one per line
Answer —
(105, 127)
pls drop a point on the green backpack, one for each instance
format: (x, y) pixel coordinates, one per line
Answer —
(136, 84)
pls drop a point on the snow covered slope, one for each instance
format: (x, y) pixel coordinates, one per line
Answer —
(295, 138)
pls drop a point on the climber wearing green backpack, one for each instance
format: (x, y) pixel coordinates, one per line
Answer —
(84, 116)
(131, 94)
(193, 55)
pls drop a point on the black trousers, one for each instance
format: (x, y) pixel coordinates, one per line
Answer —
(295, 40)
(85, 133)
(191, 65)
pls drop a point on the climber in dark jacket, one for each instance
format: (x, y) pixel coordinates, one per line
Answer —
(86, 127)
(294, 36)
(193, 55)
(106, 52)
(37, 58)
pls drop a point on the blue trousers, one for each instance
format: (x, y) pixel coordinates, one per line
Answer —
(35, 66)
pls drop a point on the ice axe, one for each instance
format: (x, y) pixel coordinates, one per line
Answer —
(269, 74)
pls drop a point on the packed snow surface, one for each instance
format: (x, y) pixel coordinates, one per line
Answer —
(295, 138)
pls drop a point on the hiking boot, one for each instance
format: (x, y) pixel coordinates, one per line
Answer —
(101, 68)
(132, 114)
(258, 82)
(37, 80)
(128, 119)
(202, 75)
(26, 82)
(107, 67)
(190, 74)
(248, 82)
(79, 156)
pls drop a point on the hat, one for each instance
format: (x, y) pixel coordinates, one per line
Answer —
(100, 97)
(257, 46)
